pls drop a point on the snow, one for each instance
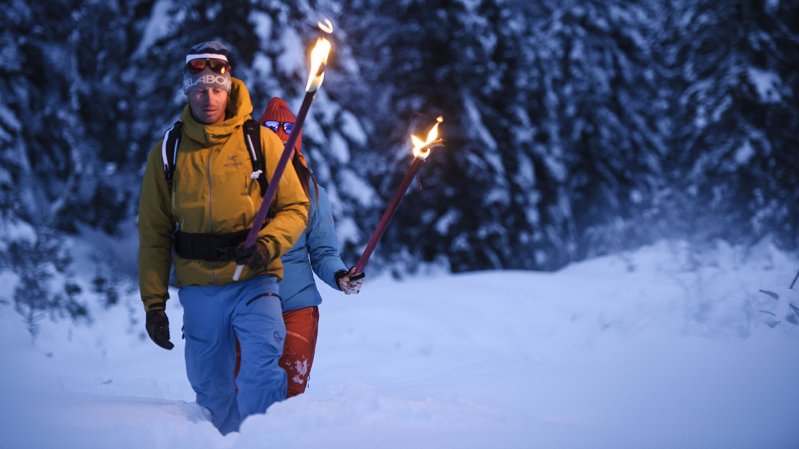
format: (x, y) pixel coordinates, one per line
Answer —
(98, 247)
(355, 187)
(262, 64)
(262, 24)
(9, 282)
(445, 221)
(351, 127)
(347, 231)
(665, 347)
(9, 120)
(744, 153)
(525, 171)
(338, 148)
(158, 26)
(292, 58)
(17, 230)
(476, 120)
(767, 85)
(772, 5)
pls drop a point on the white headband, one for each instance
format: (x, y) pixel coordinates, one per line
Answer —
(206, 55)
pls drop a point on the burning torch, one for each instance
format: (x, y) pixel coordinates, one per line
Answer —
(421, 149)
(316, 75)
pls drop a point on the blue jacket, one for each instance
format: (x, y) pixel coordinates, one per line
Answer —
(316, 248)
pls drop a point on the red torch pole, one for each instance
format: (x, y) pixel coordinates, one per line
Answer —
(393, 205)
(421, 150)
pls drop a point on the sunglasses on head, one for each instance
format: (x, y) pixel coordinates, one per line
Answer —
(217, 65)
(274, 125)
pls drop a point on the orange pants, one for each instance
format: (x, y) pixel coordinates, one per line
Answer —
(302, 327)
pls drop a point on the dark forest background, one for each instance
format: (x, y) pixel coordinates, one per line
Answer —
(572, 128)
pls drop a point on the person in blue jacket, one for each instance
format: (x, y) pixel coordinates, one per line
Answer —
(316, 251)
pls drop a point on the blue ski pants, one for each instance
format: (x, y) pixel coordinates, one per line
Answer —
(213, 317)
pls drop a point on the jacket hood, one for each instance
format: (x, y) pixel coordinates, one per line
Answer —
(239, 110)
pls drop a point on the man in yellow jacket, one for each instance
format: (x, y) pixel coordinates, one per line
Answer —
(204, 214)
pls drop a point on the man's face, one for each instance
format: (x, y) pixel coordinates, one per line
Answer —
(208, 104)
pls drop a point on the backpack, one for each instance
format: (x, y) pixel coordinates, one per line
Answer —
(252, 138)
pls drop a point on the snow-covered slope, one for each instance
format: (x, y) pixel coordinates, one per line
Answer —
(661, 348)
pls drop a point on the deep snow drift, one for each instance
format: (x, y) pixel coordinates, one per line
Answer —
(661, 348)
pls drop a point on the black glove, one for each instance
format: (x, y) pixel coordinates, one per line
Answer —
(256, 257)
(158, 328)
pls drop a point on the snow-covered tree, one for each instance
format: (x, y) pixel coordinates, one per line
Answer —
(571, 128)
(595, 88)
(731, 170)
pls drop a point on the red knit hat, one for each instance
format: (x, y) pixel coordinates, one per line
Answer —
(279, 111)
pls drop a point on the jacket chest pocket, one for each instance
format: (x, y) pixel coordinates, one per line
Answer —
(237, 171)
(249, 182)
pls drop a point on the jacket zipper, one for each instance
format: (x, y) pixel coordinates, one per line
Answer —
(210, 208)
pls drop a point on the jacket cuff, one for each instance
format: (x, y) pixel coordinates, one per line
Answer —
(337, 276)
(154, 304)
(270, 246)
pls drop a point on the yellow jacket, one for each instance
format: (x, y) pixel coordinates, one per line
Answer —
(213, 193)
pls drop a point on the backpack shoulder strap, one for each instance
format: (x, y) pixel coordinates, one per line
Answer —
(252, 136)
(169, 151)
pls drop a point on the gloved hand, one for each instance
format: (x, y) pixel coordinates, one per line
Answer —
(350, 282)
(157, 326)
(256, 257)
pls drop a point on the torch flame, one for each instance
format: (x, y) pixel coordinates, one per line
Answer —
(421, 149)
(319, 56)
